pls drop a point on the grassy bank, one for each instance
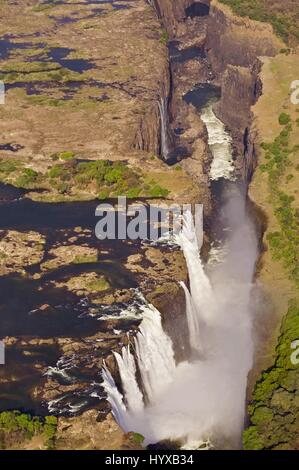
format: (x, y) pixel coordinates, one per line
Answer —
(274, 407)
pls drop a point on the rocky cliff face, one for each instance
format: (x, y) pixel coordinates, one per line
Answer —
(234, 46)
(148, 136)
(237, 41)
(172, 12)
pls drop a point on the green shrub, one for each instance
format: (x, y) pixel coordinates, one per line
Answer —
(281, 380)
(81, 259)
(252, 439)
(164, 38)
(138, 438)
(56, 171)
(109, 179)
(113, 175)
(158, 191)
(49, 430)
(289, 178)
(8, 166)
(283, 244)
(284, 119)
(27, 178)
(16, 426)
(67, 155)
(133, 193)
(103, 194)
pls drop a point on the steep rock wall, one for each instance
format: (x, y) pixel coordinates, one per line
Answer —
(172, 12)
(149, 132)
(234, 46)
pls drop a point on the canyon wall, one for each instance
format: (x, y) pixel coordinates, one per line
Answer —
(148, 136)
(172, 12)
(233, 47)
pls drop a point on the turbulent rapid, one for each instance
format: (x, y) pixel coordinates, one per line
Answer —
(199, 402)
(220, 143)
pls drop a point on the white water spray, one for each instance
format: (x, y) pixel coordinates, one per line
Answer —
(127, 369)
(202, 400)
(220, 143)
(165, 144)
(155, 354)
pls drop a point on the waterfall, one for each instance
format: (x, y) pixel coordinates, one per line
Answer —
(200, 293)
(165, 140)
(194, 324)
(200, 286)
(127, 369)
(202, 400)
(155, 357)
(115, 399)
(155, 354)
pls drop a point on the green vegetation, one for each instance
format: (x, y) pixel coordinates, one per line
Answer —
(138, 438)
(17, 427)
(284, 19)
(164, 38)
(7, 167)
(31, 71)
(102, 177)
(98, 285)
(157, 191)
(27, 178)
(275, 403)
(66, 155)
(85, 259)
(283, 243)
(284, 119)
(12, 171)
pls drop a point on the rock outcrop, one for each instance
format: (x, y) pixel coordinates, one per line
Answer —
(88, 432)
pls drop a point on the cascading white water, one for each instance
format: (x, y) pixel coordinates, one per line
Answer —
(127, 369)
(200, 286)
(220, 143)
(201, 400)
(115, 399)
(155, 356)
(165, 146)
(193, 320)
(154, 353)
